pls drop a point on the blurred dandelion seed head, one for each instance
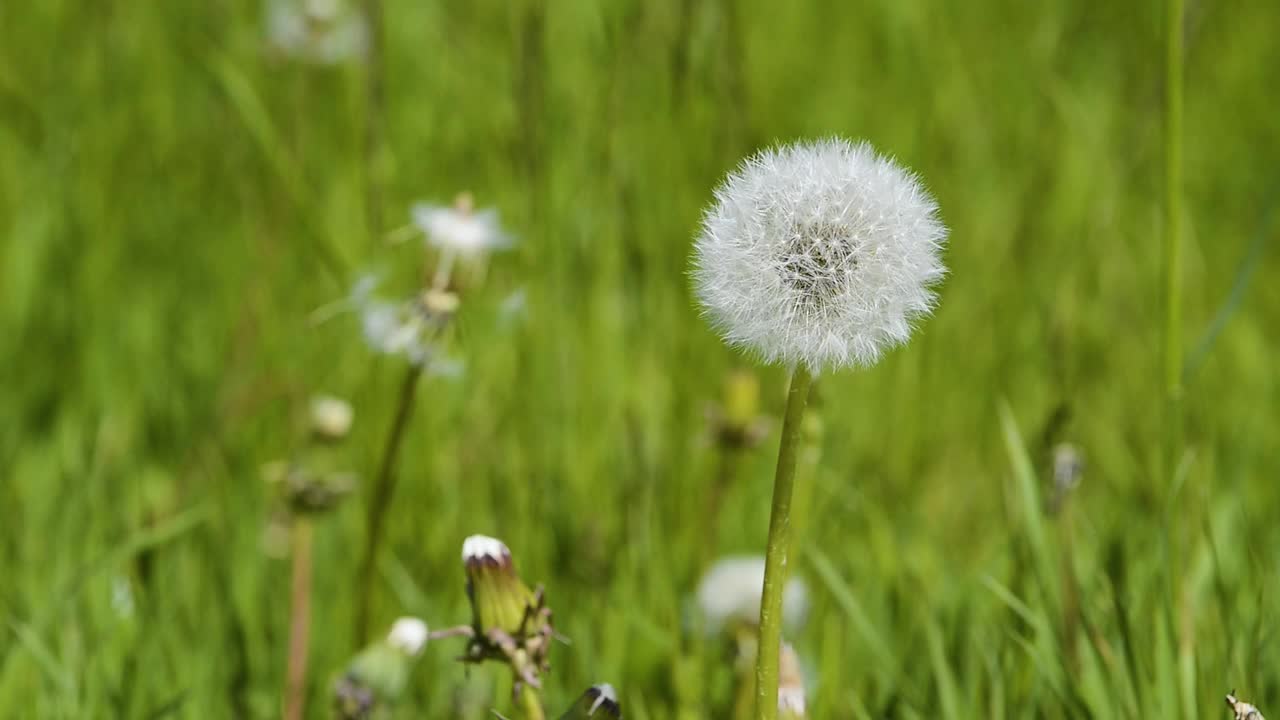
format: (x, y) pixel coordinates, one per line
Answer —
(409, 635)
(821, 253)
(729, 594)
(321, 32)
(460, 228)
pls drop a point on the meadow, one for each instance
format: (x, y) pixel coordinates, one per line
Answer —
(177, 200)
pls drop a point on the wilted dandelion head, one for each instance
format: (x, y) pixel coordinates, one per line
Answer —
(408, 635)
(819, 253)
(729, 594)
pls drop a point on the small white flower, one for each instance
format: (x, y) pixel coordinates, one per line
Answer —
(821, 253)
(324, 32)
(461, 229)
(331, 417)
(408, 635)
(730, 594)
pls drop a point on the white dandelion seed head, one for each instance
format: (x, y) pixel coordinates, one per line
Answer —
(322, 32)
(819, 253)
(461, 229)
(730, 593)
(408, 635)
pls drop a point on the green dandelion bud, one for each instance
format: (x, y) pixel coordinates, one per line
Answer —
(499, 598)
(378, 675)
(599, 702)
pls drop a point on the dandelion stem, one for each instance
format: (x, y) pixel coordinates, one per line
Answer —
(383, 490)
(1173, 231)
(299, 620)
(531, 703)
(375, 108)
(775, 568)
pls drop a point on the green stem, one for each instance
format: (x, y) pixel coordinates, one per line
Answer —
(299, 620)
(1173, 231)
(775, 568)
(383, 489)
(375, 109)
(531, 704)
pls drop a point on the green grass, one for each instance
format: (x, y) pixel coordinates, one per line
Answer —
(174, 202)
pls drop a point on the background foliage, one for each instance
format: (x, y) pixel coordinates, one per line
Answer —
(174, 201)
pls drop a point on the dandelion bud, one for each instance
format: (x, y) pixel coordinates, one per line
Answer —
(791, 695)
(408, 635)
(820, 253)
(598, 702)
(330, 417)
(729, 594)
(499, 598)
(377, 676)
(440, 302)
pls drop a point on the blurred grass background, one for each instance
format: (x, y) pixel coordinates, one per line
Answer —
(174, 201)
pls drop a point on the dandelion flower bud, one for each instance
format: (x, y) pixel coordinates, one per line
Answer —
(409, 635)
(598, 702)
(819, 253)
(729, 594)
(499, 598)
(377, 676)
(330, 417)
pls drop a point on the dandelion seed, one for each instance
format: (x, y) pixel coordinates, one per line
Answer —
(729, 594)
(820, 253)
(323, 32)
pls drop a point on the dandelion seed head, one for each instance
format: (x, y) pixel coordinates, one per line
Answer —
(461, 228)
(730, 594)
(408, 634)
(822, 253)
(322, 32)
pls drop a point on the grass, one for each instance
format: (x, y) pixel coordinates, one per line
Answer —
(174, 203)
